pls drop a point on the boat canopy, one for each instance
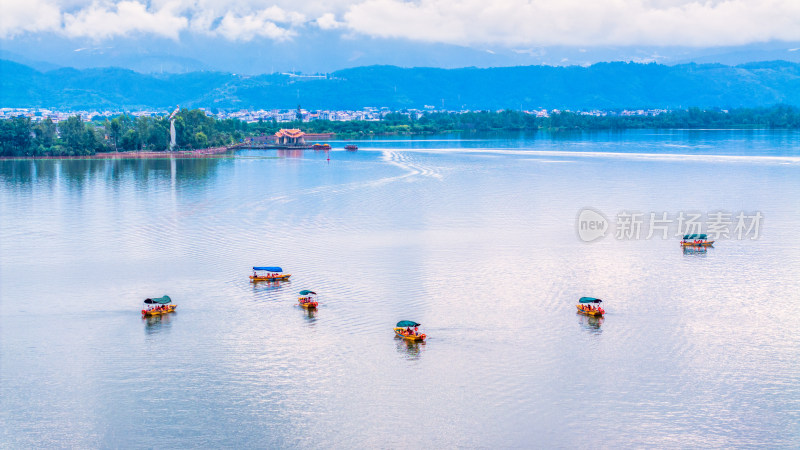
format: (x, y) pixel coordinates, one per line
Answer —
(306, 292)
(407, 323)
(695, 236)
(270, 269)
(158, 301)
(589, 300)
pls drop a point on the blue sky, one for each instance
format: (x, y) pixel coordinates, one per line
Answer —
(322, 35)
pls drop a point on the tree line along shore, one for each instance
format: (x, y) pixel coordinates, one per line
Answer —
(196, 131)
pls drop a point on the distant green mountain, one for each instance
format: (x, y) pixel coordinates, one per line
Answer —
(601, 86)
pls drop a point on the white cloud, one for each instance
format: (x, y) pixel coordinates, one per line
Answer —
(328, 21)
(260, 24)
(232, 20)
(100, 21)
(16, 17)
(478, 23)
(579, 22)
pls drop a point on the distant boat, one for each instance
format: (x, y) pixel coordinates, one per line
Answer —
(269, 274)
(585, 306)
(403, 330)
(308, 299)
(158, 306)
(351, 147)
(696, 240)
(321, 146)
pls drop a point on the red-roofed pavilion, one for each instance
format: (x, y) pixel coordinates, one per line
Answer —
(291, 136)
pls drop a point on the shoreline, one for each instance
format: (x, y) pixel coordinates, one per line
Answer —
(219, 152)
(212, 152)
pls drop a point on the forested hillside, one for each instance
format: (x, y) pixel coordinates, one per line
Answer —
(601, 86)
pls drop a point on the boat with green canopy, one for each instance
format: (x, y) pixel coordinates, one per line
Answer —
(590, 306)
(308, 299)
(269, 273)
(696, 240)
(158, 306)
(403, 330)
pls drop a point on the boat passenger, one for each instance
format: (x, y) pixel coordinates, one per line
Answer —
(416, 331)
(408, 331)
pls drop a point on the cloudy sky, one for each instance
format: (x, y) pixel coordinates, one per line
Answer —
(364, 31)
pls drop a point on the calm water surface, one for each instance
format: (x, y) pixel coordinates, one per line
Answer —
(474, 238)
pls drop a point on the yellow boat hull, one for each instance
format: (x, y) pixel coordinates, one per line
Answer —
(699, 244)
(309, 305)
(589, 312)
(414, 337)
(280, 278)
(146, 313)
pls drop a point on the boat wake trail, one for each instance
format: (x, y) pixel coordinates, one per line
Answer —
(412, 168)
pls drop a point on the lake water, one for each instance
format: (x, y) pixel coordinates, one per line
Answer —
(475, 237)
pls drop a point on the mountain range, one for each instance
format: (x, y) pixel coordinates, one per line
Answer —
(612, 85)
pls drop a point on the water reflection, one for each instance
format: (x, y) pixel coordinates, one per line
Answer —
(749, 142)
(157, 324)
(310, 314)
(411, 350)
(291, 153)
(81, 173)
(20, 173)
(695, 251)
(267, 286)
(591, 323)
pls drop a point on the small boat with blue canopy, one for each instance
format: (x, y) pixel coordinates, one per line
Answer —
(696, 240)
(158, 306)
(308, 299)
(590, 306)
(269, 273)
(404, 330)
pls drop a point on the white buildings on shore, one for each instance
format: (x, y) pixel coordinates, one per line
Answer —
(284, 115)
